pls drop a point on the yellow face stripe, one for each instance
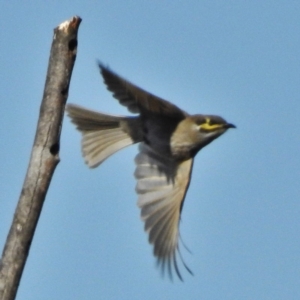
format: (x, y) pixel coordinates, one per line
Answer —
(208, 127)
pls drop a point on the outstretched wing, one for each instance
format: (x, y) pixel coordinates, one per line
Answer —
(162, 185)
(136, 99)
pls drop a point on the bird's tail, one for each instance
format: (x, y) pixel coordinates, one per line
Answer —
(102, 134)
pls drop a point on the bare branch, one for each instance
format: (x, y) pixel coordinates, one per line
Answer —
(44, 157)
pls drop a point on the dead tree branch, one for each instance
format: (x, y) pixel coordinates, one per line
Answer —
(44, 157)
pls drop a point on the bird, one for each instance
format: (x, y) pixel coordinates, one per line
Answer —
(169, 139)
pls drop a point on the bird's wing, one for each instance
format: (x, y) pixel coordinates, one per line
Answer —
(136, 99)
(162, 185)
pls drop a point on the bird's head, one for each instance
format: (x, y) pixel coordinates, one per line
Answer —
(209, 127)
(195, 132)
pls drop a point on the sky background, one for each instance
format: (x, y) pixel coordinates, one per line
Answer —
(241, 217)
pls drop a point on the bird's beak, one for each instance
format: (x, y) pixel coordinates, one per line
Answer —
(229, 125)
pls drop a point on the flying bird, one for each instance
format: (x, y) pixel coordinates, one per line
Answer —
(168, 137)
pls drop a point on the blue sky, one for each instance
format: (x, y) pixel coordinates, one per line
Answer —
(237, 59)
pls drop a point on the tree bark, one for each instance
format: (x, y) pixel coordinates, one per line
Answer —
(44, 157)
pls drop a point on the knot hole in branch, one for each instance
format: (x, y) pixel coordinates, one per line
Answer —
(54, 149)
(72, 44)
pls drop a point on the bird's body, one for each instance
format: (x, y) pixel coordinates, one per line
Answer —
(169, 139)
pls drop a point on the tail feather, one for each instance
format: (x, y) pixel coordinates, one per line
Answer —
(102, 134)
(89, 120)
(97, 146)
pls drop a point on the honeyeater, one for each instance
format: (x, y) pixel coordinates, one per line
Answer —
(168, 137)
